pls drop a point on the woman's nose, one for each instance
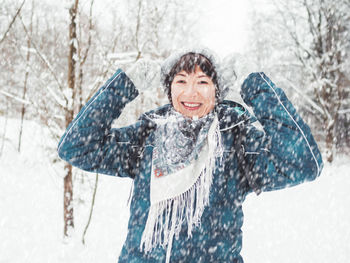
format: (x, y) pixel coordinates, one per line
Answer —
(191, 89)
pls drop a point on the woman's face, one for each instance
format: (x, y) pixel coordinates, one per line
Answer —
(193, 95)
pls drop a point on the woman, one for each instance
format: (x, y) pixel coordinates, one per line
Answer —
(192, 161)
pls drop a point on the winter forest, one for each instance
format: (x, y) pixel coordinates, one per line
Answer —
(55, 55)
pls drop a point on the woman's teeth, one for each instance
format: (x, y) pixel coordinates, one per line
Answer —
(191, 105)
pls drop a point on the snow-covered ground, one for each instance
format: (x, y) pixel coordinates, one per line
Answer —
(308, 223)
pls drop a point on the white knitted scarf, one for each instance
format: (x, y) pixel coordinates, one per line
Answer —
(181, 194)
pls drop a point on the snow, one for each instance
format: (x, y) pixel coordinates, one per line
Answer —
(308, 223)
(31, 205)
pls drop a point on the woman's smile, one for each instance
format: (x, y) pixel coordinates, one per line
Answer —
(191, 105)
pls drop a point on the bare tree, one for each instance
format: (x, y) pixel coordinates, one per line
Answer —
(26, 76)
(313, 36)
(69, 114)
(83, 52)
(324, 58)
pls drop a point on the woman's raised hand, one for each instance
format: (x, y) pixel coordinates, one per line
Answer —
(145, 74)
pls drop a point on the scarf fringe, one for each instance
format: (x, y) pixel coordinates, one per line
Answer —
(166, 217)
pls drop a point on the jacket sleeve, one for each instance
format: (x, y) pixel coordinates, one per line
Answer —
(90, 143)
(283, 154)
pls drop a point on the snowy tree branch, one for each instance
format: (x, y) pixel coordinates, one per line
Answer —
(45, 60)
(12, 21)
(9, 95)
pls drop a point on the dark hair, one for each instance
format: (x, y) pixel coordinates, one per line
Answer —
(188, 63)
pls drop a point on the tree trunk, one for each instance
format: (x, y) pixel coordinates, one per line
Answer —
(23, 110)
(68, 190)
(82, 58)
(330, 141)
(68, 201)
(68, 182)
(4, 131)
(91, 209)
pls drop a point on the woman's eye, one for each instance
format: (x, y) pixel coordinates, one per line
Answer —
(203, 82)
(181, 81)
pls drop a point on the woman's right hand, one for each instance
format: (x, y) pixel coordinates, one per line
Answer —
(145, 74)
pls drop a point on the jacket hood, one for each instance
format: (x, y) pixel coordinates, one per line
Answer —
(225, 78)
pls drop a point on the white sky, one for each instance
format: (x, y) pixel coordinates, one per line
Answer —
(225, 25)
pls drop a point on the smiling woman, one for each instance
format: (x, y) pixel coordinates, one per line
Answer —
(192, 161)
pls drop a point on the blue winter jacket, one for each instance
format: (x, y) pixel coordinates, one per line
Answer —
(283, 154)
